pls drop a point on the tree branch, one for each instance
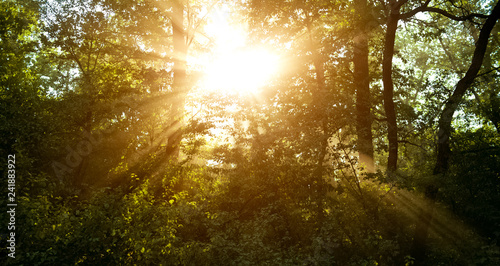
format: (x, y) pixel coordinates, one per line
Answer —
(413, 144)
(425, 8)
(487, 72)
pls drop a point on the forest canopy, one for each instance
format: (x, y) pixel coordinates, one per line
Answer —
(250, 132)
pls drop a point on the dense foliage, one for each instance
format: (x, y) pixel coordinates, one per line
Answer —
(93, 93)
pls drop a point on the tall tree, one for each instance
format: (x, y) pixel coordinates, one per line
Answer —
(179, 85)
(390, 111)
(362, 84)
(445, 129)
(394, 15)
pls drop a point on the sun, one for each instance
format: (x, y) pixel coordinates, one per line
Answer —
(241, 71)
(234, 66)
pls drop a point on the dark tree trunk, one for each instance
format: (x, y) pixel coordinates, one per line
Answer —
(362, 84)
(390, 112)
(179, 84)
(444, 126)
(444, 132)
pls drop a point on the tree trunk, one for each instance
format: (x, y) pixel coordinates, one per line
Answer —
(321, 109)
(444, 126)
(362, 85)
(179, 84)
(390, 112)
(491, 108)
(444, 132)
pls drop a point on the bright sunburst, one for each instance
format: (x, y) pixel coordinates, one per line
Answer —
(235, 67)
